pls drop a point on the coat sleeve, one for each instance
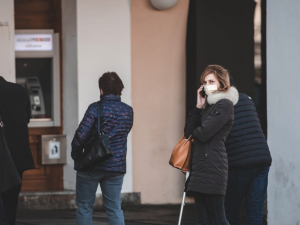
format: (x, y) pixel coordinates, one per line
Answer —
(191, 123)
(217, 118)
(132, 121)
(27, 106)
(28, 110)
(83, 131)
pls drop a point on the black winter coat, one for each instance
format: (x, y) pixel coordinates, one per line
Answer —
(15, 112)
(209, 166)
(9, 176)
(246, 144)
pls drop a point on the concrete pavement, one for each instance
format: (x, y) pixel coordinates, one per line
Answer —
(134, 215)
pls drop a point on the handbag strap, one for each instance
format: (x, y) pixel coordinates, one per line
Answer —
(1, 122)
(2, 126)
(100, 114)
(189, 137)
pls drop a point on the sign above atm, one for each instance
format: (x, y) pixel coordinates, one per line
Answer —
(33, 42)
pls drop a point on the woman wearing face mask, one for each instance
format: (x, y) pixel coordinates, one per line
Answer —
(209, 124)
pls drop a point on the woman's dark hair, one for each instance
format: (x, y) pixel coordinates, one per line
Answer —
(111, 83)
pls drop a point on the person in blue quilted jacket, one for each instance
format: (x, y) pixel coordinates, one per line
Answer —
(117, 122)
(249, 161)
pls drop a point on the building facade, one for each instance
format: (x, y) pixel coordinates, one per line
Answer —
(146, 47)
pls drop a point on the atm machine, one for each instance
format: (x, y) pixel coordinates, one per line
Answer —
(38, 71)
(35, 93)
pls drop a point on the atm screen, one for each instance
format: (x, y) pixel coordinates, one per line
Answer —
(32, 80)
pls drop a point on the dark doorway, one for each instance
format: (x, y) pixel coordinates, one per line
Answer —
(220, 32)
(226, 33)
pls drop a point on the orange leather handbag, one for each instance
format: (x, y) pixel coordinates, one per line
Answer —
(181, 154)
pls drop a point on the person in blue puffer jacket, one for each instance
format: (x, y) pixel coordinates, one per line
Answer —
(117, 122)
(249, 161)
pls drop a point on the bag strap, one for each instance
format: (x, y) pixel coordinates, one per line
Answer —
(1, 122)
(100, 114)
(2, 126)
(189, 138)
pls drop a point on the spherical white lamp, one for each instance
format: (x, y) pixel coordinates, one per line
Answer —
(163, 4)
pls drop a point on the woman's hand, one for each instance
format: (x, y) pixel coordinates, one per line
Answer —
(200, 100)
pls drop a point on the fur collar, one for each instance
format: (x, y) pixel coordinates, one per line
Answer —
(232, 94)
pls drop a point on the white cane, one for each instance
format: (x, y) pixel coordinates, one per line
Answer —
(183, 198)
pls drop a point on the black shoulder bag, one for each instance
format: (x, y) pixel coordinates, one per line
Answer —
(9, 176)
(99, 149)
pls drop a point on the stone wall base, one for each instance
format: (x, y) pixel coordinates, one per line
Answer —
(66, 200)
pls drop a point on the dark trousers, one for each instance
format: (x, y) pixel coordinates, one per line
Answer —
(210, 209)
(10, 202)
(250, 185)
(3, 220)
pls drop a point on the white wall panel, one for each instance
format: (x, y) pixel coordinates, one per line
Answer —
(283, 80)
(7, 48)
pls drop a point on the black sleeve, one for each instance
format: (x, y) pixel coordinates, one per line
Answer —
(196, 111)
(214, 121)
(192, 122)
(28, 109)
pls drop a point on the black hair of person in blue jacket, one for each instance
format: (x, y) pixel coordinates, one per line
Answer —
(249, 160)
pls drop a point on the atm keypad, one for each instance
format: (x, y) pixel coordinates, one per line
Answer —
(36, 108)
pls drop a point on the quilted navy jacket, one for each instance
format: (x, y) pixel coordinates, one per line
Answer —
(246, 144)
(117, 122)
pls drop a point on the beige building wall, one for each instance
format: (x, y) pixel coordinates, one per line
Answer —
(158, 98)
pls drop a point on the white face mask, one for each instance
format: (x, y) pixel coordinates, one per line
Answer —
(209, 89)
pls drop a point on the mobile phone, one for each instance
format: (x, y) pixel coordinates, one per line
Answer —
(202, 93)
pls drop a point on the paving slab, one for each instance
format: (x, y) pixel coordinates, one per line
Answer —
(134, 215)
